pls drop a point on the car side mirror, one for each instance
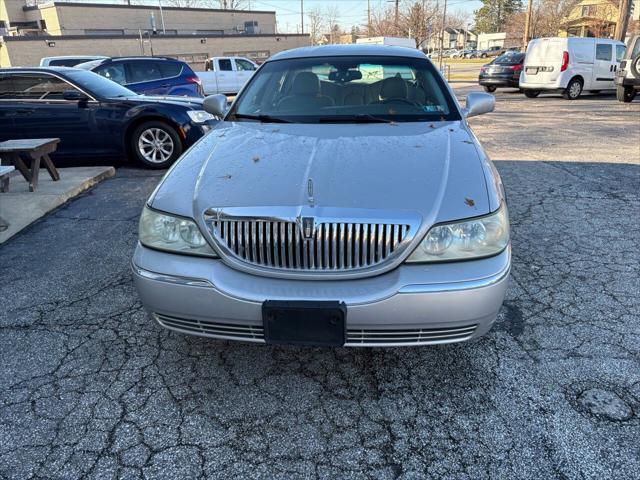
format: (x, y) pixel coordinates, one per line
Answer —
(74, 95)
(215, 104)
(479, 103)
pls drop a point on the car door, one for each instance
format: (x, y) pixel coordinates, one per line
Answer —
(244, 71)
(603, 66)
(40, 111)
(227, 81)
(145, 77)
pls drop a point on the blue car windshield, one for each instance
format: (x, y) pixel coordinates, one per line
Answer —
(100, 86)
(346, 89)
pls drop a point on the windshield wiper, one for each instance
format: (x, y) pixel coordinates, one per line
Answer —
(262, 118)
(359, 118)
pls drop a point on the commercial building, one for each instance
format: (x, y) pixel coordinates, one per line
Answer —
(31, 30)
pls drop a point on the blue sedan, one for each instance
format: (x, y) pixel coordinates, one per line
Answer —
(96, 118)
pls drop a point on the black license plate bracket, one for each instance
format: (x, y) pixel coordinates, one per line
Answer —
(321, 323)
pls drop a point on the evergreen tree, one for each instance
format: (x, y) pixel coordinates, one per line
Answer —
(491, 17)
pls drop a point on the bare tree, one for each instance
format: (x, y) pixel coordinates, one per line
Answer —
(458, 19)
(231, 4)
(419, 20)
(547, 18)
(182, 3)
(332, 14)
(316, 24)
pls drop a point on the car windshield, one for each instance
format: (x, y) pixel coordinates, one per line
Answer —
(346, 89)
(98, 85)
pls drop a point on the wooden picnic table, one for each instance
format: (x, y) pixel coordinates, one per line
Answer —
(38, 150)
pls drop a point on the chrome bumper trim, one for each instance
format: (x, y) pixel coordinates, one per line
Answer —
(191, 282)
(457, 286)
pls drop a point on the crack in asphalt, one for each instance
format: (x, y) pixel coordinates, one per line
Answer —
(90, 387)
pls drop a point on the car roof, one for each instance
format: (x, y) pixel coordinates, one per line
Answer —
(38, 69)
(65, 57)
(353, 49)
(142, 58)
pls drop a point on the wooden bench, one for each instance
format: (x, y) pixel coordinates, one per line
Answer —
(38, 150)
(5, 175)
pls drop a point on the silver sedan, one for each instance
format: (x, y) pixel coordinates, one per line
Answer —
(342, 200)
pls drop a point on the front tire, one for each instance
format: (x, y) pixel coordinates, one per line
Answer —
(155, 144)
(490, 88)
(625, 94)
(531, 93)
(573, 90)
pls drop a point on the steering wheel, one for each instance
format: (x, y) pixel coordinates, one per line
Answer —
(399, 100)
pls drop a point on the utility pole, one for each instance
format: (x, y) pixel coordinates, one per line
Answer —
(302, 16)
(623, 20)
(369, 17)
(444, 19)
(527, 27)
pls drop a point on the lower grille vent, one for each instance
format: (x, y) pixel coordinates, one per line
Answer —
(212, 329)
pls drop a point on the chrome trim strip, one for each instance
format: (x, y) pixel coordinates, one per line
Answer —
(456, 286)
(187, 281)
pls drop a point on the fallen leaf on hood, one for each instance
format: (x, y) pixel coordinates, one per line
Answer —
(467, 141)
(226, 177)
(256, 159)
(469, 201)
(275, 130)
(432, 126)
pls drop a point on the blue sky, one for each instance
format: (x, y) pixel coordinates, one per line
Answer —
(351, 11)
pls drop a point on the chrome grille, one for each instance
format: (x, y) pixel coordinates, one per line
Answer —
(333, 246)
(212, 329)
(369, 337)
(355, 337)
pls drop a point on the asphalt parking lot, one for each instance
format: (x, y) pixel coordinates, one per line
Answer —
(91, 388)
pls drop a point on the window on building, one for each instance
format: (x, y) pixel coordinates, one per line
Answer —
(603, 51)
(589, 10)
(33, 87)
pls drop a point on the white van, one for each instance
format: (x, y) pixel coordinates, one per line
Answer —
(570, 65)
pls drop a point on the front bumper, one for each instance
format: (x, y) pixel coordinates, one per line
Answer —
(627, 81)
(411, 305)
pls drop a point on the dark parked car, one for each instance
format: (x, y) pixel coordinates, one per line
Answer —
(149, 75)
(97, 118)
(502, 71)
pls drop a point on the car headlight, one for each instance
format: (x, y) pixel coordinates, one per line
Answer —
(473, 238)
(200, 116)
(172, 234)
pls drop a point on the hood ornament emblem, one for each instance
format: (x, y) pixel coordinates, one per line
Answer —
(308, 227)
(310, 192)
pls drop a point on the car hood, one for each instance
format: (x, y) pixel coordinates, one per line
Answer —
(193, 102)
(434, 170)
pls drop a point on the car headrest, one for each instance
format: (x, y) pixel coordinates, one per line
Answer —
(306, 83)
(393, 87)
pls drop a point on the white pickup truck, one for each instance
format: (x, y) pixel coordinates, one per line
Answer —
(226, 75)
